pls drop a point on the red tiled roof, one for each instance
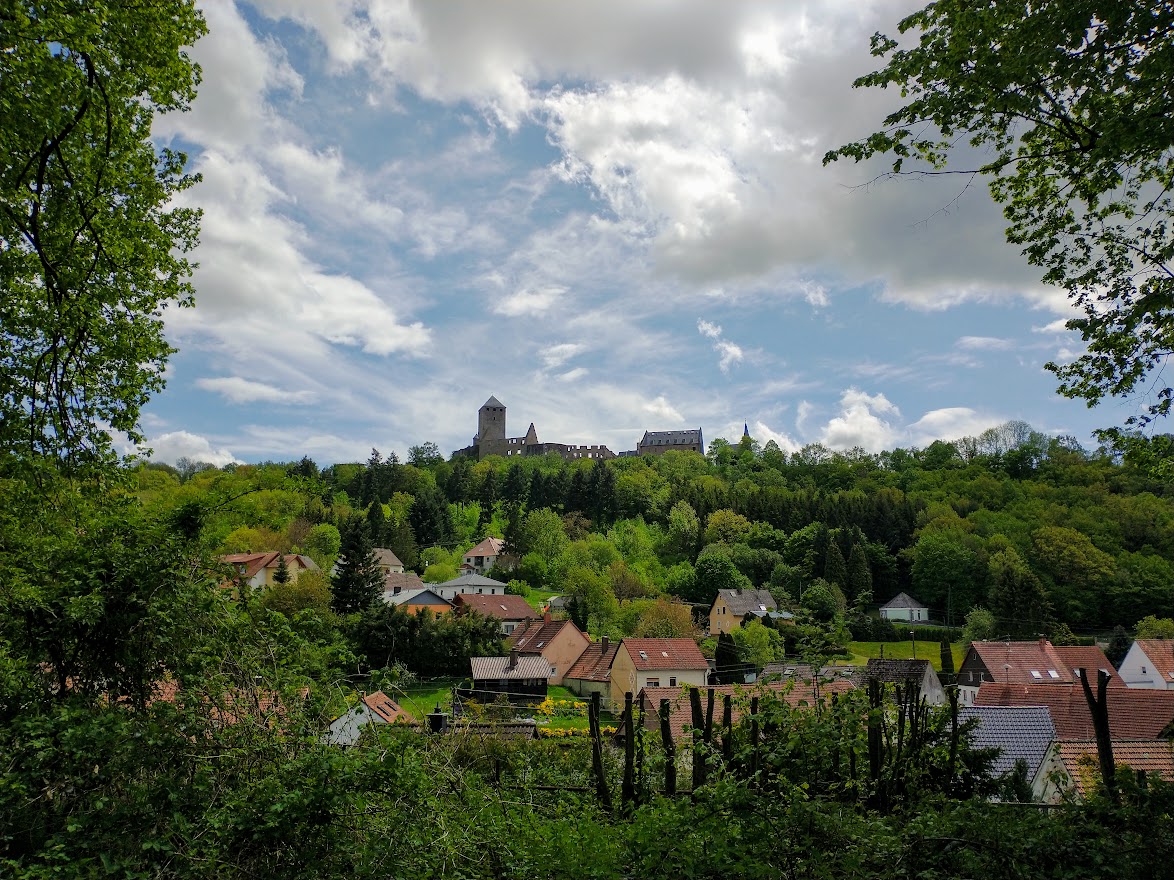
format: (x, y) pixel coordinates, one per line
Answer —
(385, 707)
(254, 562)
(665, 654)
(534, 635)
(794, 692)
(1088, 657)
(488, 547)
(1134, 713)
(507, 607)
(594, 664)
(1017, 661)
(1080, 762)
(1161, 654)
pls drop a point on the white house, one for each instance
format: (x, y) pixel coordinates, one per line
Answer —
(904, 607)
(469, 584)
(1149, 664)
(484, 556)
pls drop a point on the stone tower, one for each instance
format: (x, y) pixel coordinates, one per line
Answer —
(490, 424)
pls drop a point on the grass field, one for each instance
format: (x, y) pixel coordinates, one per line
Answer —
(862, 652)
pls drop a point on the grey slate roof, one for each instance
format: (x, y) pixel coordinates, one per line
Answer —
(1023, 732)
(898, 671)
(416, 597)
(528, 666)
(472, 580)
(742, 602)
(903, 600)
(493, 401)
(671, 438)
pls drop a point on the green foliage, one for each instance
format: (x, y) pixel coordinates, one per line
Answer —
(309, 592)
(1064, 103)
(426, 644)
(1151, 627)
(94, 242)
(980, 625)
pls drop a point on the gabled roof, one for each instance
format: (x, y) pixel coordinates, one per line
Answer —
(505, 607)
(903, 600)
(404, 580)
(526, 666)
(898, 671)
(1161, 654)
(254, 562)
(472, 580)
(1023, 662)
(422, 596)
(1088, 657)
(1134, 713)
(534, 635)
(493, 401)
(1020, 732)
(385, 557)
(743, 602)
(488, 547)
(385, 707)
(665, 654)
(794, 693)
(1080, 760)
(594, 664)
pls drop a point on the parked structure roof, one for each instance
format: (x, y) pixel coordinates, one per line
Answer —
(525, 666)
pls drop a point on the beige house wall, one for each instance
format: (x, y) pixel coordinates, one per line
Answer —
(626, 677)
(563, 650)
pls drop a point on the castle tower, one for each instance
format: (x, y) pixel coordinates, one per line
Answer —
(490, 423)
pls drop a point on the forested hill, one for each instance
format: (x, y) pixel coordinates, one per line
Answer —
(1036, 530)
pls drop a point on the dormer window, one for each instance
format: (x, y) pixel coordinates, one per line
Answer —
(1053, 674)
(643, 656)
(1035, 674)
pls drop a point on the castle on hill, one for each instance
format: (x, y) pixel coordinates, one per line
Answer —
(491, 439)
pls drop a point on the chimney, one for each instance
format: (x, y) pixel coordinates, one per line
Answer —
(546, 617)
(1043, 643)
(513, 664)
(603, 644)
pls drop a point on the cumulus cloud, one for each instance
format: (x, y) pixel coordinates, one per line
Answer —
(865, 420)
(528, 301)
(238, 390)
(171, 447)
(951, 423)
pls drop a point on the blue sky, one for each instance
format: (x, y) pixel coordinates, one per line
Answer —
(611, 216)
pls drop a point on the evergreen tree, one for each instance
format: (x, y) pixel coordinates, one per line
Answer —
(516, 488)
(859, 587)
(835, 569)
(1017, 597)
(358, 580)
(947, 656)
(377, 524)
(1119, 646)
(430, 518)
(281, 576)
(727, 660)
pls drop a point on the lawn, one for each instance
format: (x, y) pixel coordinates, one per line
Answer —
(421, 698)
(862, 652)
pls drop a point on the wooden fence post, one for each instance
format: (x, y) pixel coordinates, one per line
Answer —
(698, 738)
(628, 791)
(670, 750)
(597, 753)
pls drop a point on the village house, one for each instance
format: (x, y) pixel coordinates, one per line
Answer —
(470, 583)
(1029, 663)
(731, 606)
(591, 673)
(510, 611)
(918, 674)
(371, 709)
(905, 608)
(559, 642)
(1074, 768)
(1020, 733)
(653, 663)
(1149, 664)
(1134, 714)
(417, 601)
(523, 679)
(483, 557)
(257, 570)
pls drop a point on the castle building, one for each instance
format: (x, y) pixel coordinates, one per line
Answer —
(660, 442)
(491, 439)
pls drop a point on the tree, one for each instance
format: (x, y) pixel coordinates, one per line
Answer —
(665, 620)
(859, 586)
(684, 527)
(430, 518)
(946, 653)
(281, 576)
(1017, 598)
(980, 626)
(93, 241)
(1152, 627)
(835, 569)
(424, 455)
(1067, 100)
(358, 581)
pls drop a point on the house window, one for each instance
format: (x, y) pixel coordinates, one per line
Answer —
(653, 683)
(672, 681)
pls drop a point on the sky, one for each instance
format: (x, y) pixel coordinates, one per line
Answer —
(611, 216)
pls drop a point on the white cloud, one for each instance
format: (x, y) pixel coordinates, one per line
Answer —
(572, 375)
(763, 433)
(860, 423)
(238, 390)
(1060, 325)
(983, 343)
(528, 301)
(730, 352)
(175, 445)
(556, 355)
(705, 328)
(662, 409)
(951, 423)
